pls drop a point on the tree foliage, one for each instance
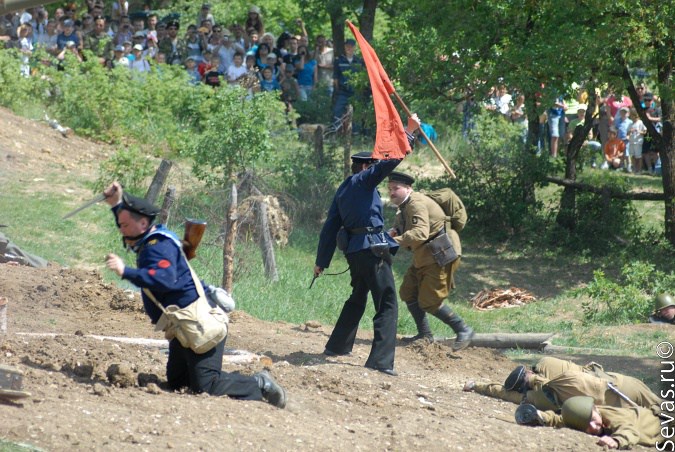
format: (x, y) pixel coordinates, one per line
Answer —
(541, 48)
(236, 133)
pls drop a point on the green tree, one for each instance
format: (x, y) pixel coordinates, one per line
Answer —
(542, 47)
(236, 133)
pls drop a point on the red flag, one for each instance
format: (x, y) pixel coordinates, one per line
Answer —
(391, 141)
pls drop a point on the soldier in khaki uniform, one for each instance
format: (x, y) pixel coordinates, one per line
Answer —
(664, 309)
(553, 381)
(618, 428)
(426, 284)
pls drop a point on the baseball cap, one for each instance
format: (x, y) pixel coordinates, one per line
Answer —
(350, 42)
(138, 47)
(119, 48)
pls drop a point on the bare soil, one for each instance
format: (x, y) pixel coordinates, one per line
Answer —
(334, 403)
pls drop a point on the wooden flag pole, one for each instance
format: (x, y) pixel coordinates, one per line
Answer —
(433, 148)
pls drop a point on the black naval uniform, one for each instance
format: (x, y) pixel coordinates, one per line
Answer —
(357, 208)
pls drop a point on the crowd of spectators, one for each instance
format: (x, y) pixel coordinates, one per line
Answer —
(215, 53)
(617, 139)
(211, 53)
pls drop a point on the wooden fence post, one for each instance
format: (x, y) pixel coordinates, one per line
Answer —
(169, 198)
(158, 181)
(347, 130)
(230, 236)
(318, 147)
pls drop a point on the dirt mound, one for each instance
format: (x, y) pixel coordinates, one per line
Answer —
(92, 393)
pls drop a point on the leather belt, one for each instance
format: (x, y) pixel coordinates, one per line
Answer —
(366, 230)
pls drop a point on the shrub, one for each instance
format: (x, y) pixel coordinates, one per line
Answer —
(495, 177)
(130, 167)
(317, 108)
(236, 133)
(629, 301)
(600, 223)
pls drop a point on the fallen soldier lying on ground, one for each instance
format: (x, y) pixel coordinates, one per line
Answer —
(618, 428)
(552, 381)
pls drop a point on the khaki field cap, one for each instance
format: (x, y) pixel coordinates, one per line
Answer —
(576, 412)
(663, 300)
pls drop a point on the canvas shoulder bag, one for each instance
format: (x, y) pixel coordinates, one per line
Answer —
(198, 326)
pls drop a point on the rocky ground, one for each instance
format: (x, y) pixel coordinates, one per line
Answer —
(89, 393)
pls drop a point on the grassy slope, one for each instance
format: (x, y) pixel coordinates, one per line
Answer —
(84, 240)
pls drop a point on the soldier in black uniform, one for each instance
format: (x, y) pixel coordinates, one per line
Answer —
(162, 268)
(355, 220)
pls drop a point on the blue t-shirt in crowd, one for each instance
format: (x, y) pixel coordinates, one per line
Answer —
(269, 85)
(306, 75)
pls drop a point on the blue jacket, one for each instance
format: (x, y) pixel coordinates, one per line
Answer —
(342, 71)
(357, 204)
(163, 269)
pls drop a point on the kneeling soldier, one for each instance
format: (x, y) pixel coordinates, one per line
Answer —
(164, 273)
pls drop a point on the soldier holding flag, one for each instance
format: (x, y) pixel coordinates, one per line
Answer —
(355, 225)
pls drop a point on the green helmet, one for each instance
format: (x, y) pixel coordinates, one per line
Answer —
(663, 300)
(576, 412)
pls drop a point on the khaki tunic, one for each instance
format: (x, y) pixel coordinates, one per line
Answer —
(535, 397)
(572, 383)
(420, 218)
(101, 46)
(628, 426)
(559, 376)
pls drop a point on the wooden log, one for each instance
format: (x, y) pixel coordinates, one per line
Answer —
(231, 223)
(563, 349)
(158, 181)
(536, 341)
(3, 315)
(633, 196)
(267, 244)
(169, 198)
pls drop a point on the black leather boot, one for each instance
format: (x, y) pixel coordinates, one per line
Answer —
(463, 331)
(422, 323)
(272, 392)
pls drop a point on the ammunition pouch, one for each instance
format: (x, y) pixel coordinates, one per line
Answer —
(441, 249)
(342, 239)
(380, 248)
